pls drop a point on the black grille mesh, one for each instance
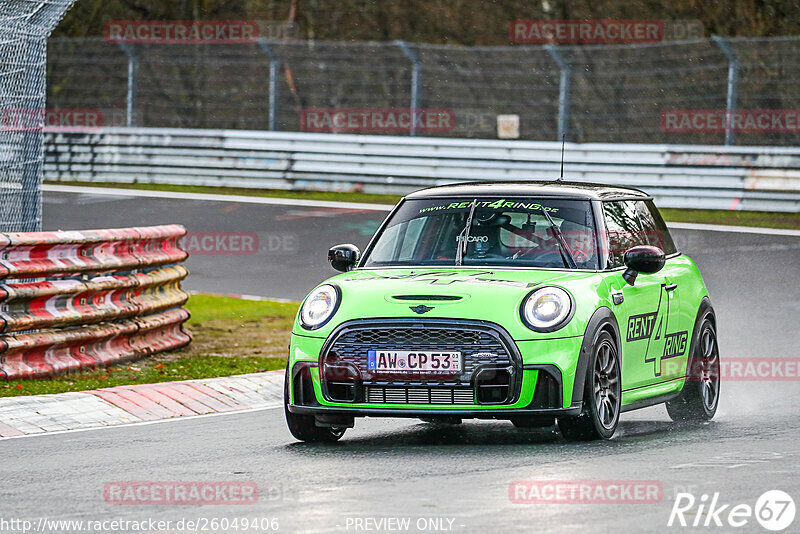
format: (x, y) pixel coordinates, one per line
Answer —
(478, 347)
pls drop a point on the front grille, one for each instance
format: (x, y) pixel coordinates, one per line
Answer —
(480, 344)
(419, 395)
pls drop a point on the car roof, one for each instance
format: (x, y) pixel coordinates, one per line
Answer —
(555, 188)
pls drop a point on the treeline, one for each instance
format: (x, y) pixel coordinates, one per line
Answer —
(462, 22)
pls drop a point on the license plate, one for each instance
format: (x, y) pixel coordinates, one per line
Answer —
(408, 361)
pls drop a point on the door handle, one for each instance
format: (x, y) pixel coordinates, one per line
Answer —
(671, 287)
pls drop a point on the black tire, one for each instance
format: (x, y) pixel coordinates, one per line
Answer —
(533, 421)
(602, 395)
(304, 427)
(699, 399)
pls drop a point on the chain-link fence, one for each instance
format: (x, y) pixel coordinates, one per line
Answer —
(24, 28)
(597, 93)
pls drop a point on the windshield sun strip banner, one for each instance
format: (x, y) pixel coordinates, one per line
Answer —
(491, 204)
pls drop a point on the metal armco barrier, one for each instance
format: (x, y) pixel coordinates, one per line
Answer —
(680, 176)
(97, 297)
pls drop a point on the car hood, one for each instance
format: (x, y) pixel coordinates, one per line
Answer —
(493, 295)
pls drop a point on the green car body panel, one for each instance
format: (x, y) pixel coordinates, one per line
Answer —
(495, 296)
(652, 321)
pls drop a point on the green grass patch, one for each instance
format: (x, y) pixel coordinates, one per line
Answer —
(763, 219)
(206, 307)
(231, 336)
(726, 217)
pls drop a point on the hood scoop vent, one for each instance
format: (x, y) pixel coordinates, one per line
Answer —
(429, 298)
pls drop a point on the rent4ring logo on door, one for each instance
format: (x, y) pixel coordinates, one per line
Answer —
(641, 326)
(653, 327)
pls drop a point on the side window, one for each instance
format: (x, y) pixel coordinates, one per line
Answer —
(631, 223)
(661, 237)
(625, 229)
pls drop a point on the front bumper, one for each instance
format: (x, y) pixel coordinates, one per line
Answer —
(543, 376)
(574, 409)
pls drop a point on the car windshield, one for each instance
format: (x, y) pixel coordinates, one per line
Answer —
(511, 232)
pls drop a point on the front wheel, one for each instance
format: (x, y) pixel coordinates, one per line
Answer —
(602, 395)
(304, 427)
(700, 396)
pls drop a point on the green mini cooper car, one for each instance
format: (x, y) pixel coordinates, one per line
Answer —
(534, 302)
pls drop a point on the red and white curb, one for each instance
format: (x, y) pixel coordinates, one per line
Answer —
(120, 405)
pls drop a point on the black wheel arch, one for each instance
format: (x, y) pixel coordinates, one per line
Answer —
(705, 310)
(602, 319)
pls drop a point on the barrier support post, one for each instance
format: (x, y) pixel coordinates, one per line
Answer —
(565, 78)
(130, 94)
(416, 82)
(733, 85)
(274, 69)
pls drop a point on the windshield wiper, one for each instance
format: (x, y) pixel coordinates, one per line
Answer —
(463, 237)
(566, 255)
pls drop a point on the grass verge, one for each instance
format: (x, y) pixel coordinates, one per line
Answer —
(231, 337)
(763, 219)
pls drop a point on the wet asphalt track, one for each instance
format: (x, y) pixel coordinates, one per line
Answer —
(406, 469)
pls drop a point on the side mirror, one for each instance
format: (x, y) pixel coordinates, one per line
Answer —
(344, 257)
(642, 259)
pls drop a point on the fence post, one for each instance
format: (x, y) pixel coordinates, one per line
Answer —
(274, 68)
(416, 82)
(733, 85)
(130, 95)
(563, 90)
(24, 29)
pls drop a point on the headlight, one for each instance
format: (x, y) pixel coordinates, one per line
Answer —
(319, 307)
(546, 309)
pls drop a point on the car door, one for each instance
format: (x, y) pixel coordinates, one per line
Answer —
(670, 359)
(647, 311)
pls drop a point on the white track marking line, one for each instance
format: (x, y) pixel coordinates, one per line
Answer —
(108, 191)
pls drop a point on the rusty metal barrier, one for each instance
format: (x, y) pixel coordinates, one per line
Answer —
(72, 300)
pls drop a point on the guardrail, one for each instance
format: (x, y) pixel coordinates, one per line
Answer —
(681, 176)
(72, 300)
